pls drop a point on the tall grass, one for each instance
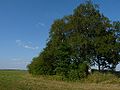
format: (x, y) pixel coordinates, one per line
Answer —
(22, 80)
(98, 77)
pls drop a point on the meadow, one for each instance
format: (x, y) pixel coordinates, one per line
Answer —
(22, 80)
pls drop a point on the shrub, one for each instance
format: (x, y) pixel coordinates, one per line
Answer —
(73, 75)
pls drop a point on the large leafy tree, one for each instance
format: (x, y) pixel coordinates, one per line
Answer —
(83, 38)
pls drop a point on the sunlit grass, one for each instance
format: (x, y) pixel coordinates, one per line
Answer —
(22, 80)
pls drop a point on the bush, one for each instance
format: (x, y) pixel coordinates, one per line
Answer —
(83, 70)
(73, 75)
(79, 73)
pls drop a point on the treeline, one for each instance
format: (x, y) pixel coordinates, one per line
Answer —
(78, 41)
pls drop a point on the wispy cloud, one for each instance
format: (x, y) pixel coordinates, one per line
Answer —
(27, 45)
(16, 59)
(19, 42)
(18, 63)
(30, 47)
(40, 24)
(20, 60)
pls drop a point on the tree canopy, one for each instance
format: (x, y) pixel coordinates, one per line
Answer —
(82, 39)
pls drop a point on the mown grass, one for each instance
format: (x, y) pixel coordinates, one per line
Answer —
(22, 80)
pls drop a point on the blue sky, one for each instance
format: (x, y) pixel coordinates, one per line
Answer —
(25, 25)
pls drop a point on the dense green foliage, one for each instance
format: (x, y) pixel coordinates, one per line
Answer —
(78, 41)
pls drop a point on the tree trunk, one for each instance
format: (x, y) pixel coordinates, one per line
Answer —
(98, 63)
(99, 67)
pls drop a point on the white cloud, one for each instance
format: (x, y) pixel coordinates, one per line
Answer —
(18, 63)
(40, 24)
(27, 45)
(31, 47)
(19, 42)
(16, 59)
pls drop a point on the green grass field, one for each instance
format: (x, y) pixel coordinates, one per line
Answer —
(22, 80)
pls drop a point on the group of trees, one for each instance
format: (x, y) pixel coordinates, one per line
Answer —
(84, 38)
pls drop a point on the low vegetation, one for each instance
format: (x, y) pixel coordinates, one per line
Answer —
(22, 80)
